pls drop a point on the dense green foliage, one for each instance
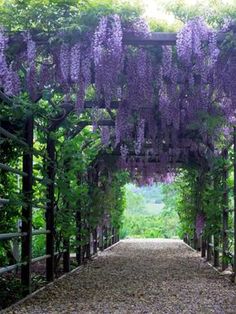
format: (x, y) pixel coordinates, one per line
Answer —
(213, 11)
(75, 155)
(53, 15)
(197, 191)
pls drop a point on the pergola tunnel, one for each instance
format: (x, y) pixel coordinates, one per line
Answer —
(87, 109)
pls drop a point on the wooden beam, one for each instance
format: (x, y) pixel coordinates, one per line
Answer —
(5, 98)
(66, 255)
(95, 241)
(234, 160)
(101, 104)
(157, 38)
(203, 246)
(50, 208)
(216, 262)
(13, 170)
(56, 121)
(4, 201)
(12, 137)
(69, 108)
(78, 220)
(225, 214)
(209, 248)
(82, 124)
(27, 190)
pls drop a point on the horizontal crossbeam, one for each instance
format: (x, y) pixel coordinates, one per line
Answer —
(12, 137)
(8, 236)
(4, 201)
(13, 170)
(159, 38)
(81, 125)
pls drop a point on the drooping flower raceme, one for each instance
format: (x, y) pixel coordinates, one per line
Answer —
(9, 79)
(200, 222)
(108, 56)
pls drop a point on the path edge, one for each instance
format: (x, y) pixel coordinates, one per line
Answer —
(209, 264)
(31, 295)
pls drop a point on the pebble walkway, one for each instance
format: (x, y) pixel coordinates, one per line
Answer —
(138, 276)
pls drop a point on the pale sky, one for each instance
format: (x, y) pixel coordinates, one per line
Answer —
(153, 7)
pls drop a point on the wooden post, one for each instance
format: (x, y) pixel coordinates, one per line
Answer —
(225, 216)
(66, 255)
(26, 250)
(109, 235)
(95, 241)
(209, 248)
(195, 240)
(216, 251)
(118, 235)
(234, 204)
(113, 235)
(78, 238)
(101, 240)
(88, 241)
(105, 238)
(203, 247)
(50, 209)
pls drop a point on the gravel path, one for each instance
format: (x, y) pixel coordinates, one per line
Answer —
(138, 276)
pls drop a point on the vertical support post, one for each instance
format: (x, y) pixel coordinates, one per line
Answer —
(216, 251)
(105, 238)
(225, 216)
(50, 265)
(101, 240)
(95, 241)
(110, 236)
(113, 235)
(117, 235)
(26, 250)
(78, 238)
(203, 247)
(66, 255)
(88, 242)
(234, 267)
(115, 240)
(209, 248)
(195, 240)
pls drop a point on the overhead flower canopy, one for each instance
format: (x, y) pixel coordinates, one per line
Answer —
(174, 104)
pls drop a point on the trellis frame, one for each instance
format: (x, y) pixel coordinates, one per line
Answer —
(27, 173)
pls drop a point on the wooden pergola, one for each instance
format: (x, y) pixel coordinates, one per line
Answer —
(28, 180)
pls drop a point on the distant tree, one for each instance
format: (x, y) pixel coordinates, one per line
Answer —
(213, 11)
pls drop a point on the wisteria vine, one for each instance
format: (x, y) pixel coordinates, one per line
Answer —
(165, 96)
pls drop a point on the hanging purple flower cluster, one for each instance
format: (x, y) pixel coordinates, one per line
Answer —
(140, 137)
(75, 56)
(164, 96)
(31, 77)
(65, 62)
(9, 79)
(139, 89)
(138, 28)
(200, 222)
(105, 135)
(144, 172)
(108, 56)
